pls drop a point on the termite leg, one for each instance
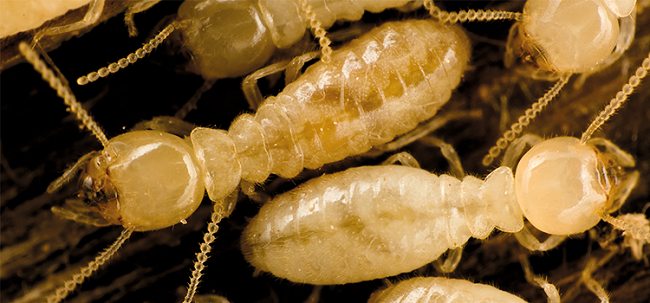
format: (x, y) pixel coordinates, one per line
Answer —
(422, 130)
(249, 85)
(529, 241)
(403, 158)
(448, 151)
(95, 9)
(294, 69)
(550, 290)
(451, 261)
(191, 104)
(134, 9)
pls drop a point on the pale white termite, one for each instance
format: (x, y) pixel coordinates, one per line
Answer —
(376, 87)
(437, 289)
(227, 39)
(372, 222)
(561, 37)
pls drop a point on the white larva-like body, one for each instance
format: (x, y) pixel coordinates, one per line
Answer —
(359, 99)
(438, 289)
(375, 88)
(234, 38)
(359, 224)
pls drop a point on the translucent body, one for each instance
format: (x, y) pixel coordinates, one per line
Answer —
(22, 15)
(569, 36)
(234, 38)
(359, 224)
(437, 289)
(378, 86)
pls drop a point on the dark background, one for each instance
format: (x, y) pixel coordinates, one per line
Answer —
(38, 250)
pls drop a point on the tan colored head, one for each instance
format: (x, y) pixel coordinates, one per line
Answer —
(563, 185)
(151, 182)
(567, 36)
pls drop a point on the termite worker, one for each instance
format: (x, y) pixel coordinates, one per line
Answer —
(375, 88)
(227, 39)
(372, 222)
(550, 37)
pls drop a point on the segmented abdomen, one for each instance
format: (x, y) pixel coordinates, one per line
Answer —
(362, 224)
(378, 86)
(375, 221)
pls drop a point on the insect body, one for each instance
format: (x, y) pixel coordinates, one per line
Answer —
(358, 225)
(372, 222)
(375, 88)
(234, 38)
(550, 36)
(436, 289)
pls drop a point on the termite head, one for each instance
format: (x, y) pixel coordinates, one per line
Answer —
(563, 185)
(144, 180)
(565, 36)
(226, 38)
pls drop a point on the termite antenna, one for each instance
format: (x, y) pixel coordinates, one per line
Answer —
(134, 9)
(63, 91)
(132, 57)
(617, 101)
(220, 211)
(318, 30)
(470, 15)
(524, 120)
(85, 272)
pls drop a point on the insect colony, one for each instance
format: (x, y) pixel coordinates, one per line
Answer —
(164, 256)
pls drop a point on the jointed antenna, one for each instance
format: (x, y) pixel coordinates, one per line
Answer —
(617, 101)
(524, 120)
(131, 58)
(63, 91)
(77, 279)
(470, 15)
(319, 32)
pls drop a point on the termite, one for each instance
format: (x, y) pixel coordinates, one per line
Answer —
(228, 39)
(372, 222)
(549, 36)
(378, 86)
